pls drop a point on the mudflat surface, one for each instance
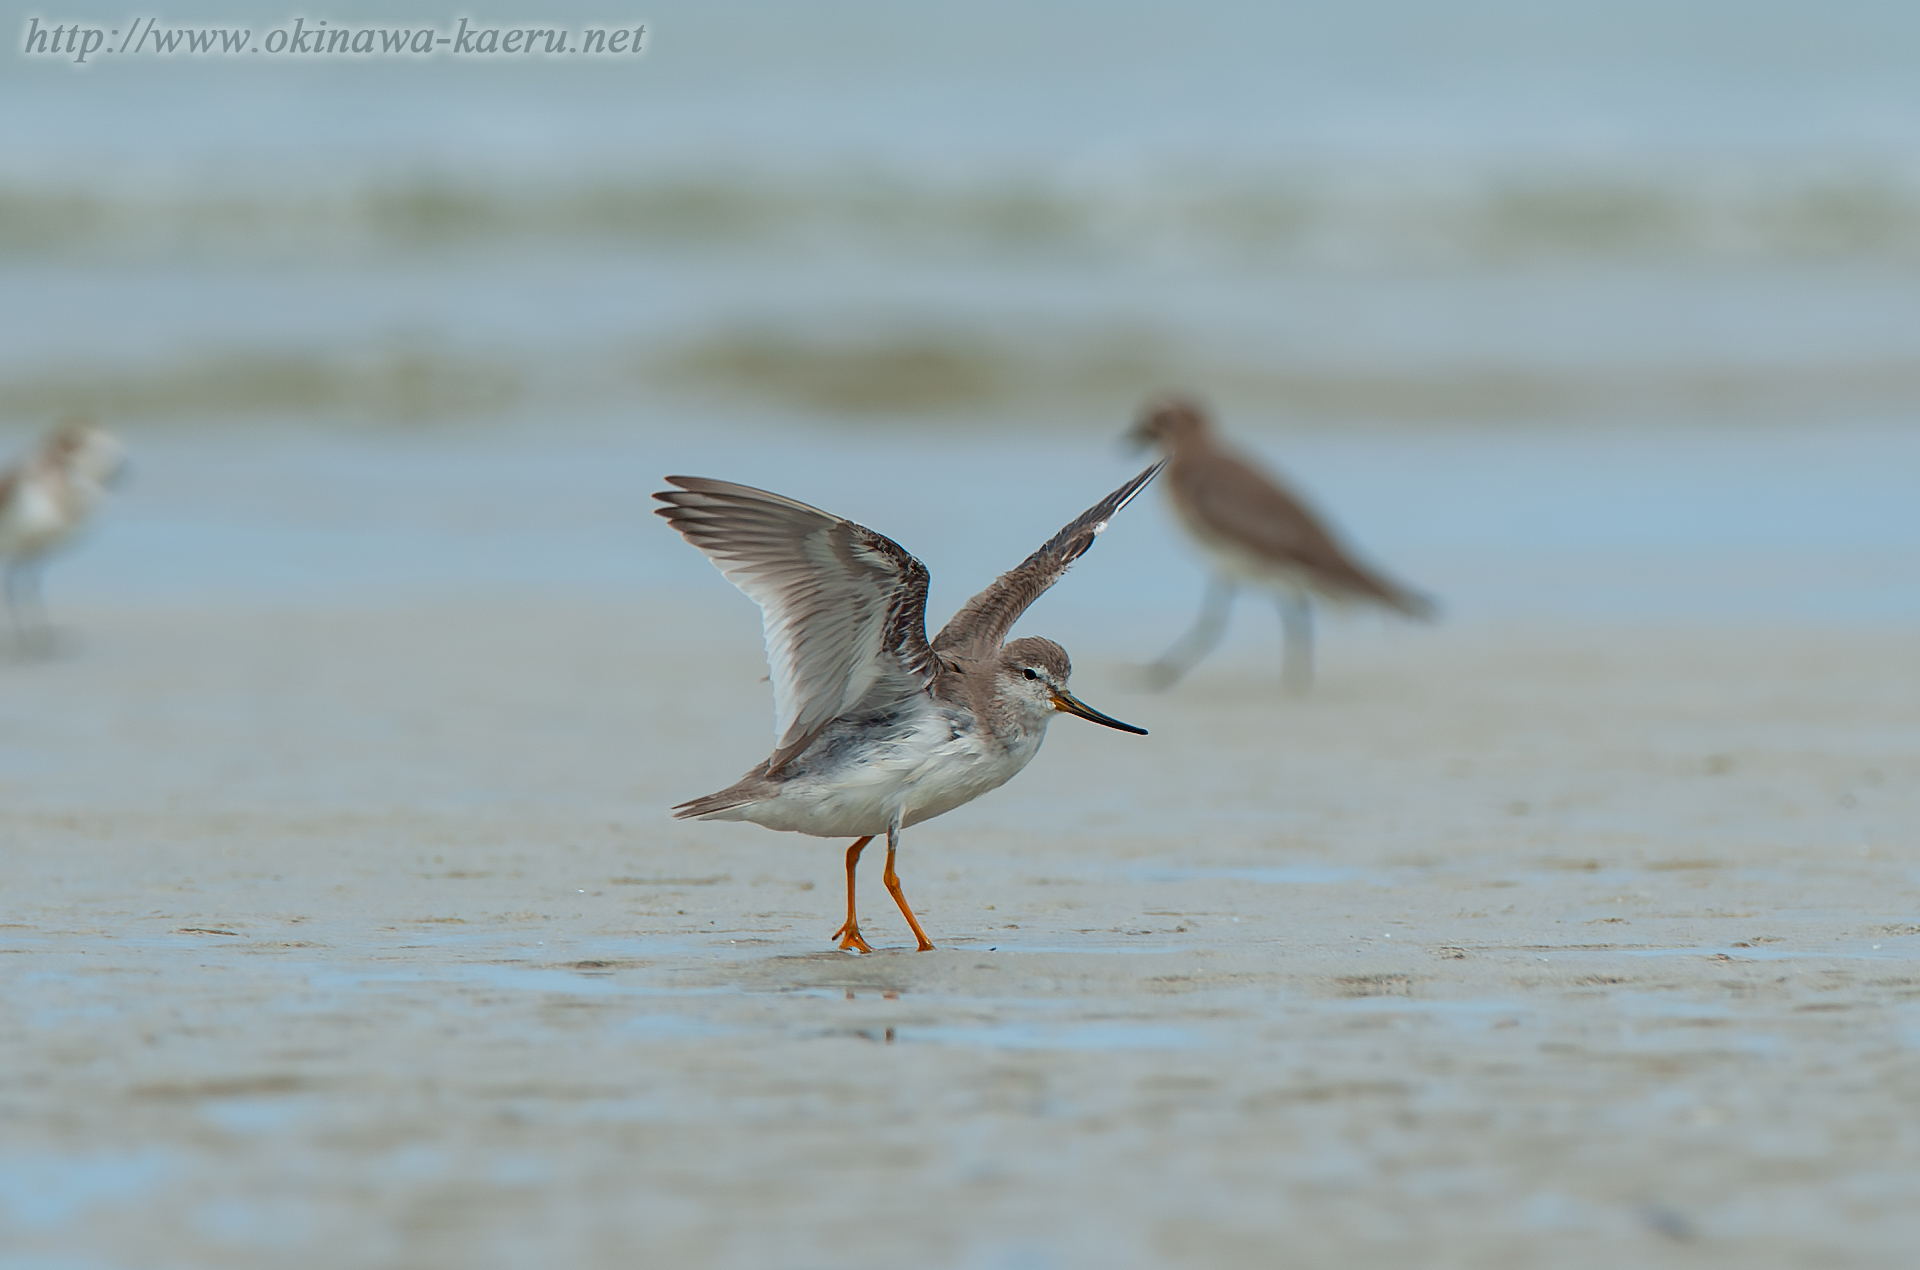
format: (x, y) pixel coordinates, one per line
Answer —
(361, 937)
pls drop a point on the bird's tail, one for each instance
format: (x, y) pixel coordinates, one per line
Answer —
(712, 807)
(1417, 605)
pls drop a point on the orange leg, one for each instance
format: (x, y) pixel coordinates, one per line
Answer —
(892, 880)
(852, 929)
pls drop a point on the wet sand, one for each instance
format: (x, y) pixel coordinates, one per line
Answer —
(361, 937)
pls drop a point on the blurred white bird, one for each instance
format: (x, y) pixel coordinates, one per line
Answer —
(45, 498)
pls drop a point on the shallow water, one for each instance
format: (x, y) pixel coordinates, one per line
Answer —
(1493, 211)
(1617, 525)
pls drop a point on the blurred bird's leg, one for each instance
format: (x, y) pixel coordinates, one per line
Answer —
(1296, 642)
(892, 880)
(851, 930)
(25, 608)
(1198, 642)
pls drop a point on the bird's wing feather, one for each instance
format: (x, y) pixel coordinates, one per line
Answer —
(844, 607)
(1232, 499)
(1235, 500)
(981, 625)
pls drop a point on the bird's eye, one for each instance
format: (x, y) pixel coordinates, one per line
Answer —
(1032, 673)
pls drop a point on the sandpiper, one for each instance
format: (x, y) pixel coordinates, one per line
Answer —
(45, 498)
(876, 727)
(1256, 533)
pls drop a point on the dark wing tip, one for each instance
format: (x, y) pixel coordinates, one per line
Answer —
(702, 498)
(685, 485)
(1072, 542)
(671, 496)
(1419, 606)
(1113, 502)
(1126, 492)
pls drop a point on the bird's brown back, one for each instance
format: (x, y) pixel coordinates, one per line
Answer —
(1225, 497)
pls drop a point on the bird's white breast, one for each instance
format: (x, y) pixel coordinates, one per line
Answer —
(934, 760)
(36, 519)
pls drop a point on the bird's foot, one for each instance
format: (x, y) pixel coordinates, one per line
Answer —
(849, 937)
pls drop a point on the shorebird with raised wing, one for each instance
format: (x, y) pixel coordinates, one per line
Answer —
(1254, 532)
(45, 498)
(877, 727)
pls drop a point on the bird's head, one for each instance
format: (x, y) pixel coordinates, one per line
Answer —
(85, 452)
(1167, 422)
(1033, 676)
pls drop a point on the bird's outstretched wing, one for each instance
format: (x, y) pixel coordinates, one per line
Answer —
(978, 629)
(844, 608)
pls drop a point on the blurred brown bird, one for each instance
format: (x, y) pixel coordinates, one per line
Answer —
(45, 498)
(1255, 532)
